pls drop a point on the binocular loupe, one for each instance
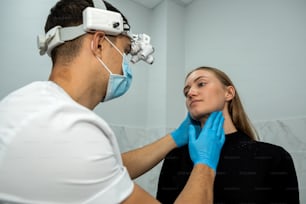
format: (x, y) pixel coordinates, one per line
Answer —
(141, 49)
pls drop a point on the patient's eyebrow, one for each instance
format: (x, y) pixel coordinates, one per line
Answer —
(195, 80)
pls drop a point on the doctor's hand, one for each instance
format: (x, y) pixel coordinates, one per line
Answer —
(181, 134)
(205, 148)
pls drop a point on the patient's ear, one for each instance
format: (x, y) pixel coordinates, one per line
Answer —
(230, 93)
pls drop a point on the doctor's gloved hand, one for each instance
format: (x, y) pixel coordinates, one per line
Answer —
(205, 148)
(181, 134)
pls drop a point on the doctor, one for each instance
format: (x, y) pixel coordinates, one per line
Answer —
(55, 149)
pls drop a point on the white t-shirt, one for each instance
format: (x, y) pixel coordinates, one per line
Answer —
(53, 150)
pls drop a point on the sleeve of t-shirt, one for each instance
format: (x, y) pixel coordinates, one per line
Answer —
(70, 156)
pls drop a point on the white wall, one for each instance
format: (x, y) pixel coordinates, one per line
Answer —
(175, 99)
(261, 44)
(156, 105)
(20, 61)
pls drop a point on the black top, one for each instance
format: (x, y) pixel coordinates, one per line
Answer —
(248, 172)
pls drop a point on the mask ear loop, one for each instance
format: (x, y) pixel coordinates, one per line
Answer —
(98, 58)
(101, 61)
(110, 42)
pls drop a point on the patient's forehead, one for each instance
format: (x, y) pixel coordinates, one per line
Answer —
(203, 74)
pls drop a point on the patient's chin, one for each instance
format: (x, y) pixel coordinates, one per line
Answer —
(200, 117)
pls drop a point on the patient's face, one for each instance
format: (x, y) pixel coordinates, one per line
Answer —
(204, 94)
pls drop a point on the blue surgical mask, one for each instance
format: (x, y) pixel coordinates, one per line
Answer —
(117, 84)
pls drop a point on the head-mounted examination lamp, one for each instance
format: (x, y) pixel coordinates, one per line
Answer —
(94, 19)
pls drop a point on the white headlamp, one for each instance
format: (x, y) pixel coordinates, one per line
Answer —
(94, 19)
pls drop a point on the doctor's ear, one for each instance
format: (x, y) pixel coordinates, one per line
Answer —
(230, 93)
(96, 43)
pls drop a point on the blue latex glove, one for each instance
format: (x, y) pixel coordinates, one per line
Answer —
(181, 134)
(205, 148)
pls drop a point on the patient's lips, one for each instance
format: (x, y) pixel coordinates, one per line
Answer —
(194, 102)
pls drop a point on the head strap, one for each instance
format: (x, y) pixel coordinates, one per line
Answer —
(99, 4)
(59, 35)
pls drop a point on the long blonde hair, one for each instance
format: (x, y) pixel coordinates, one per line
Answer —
(236, 110)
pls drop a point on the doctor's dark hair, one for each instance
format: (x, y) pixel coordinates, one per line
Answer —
(67, 13)
(235, 107)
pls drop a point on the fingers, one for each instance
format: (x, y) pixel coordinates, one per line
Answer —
(217, 121)
(222, 139)
(219, 125)
(189, 116)
(210, 121)
(192, 133)
(213, 120)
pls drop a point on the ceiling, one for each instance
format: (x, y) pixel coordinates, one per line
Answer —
(152, 3)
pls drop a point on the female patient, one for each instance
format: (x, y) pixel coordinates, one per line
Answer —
(249, 171)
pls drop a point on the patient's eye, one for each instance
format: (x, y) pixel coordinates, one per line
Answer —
(185, 91)
(201, 84)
